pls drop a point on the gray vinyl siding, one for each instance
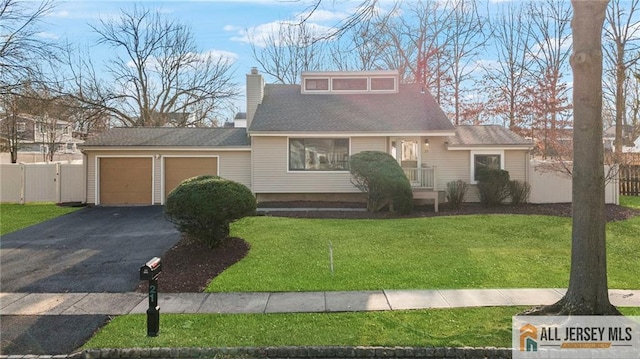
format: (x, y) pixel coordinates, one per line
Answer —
(271, 169)
(232, 165)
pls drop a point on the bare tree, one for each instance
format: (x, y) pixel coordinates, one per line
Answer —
(550, 49)
(468, 38)
(417, 45)
(622, 35)
(507, 77)
(21, 49)
(159, 79)
(588, 289)
(12, 135)
(293, 49)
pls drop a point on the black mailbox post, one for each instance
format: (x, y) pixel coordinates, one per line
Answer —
(150, 271)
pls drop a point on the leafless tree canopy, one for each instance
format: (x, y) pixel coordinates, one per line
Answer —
(22, 51)
(159, 76)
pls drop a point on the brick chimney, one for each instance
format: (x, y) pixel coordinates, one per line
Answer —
(255, 91)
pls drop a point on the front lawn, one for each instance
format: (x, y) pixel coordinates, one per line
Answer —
(630, 201)
(476, 327)
(476, 251)
(17, 216)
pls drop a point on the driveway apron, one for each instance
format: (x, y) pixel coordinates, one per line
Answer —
(96, 249)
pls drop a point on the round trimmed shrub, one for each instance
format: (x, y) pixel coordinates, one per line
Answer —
(203, 207)
(380, 176)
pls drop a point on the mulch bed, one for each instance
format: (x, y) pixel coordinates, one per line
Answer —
(189, 266)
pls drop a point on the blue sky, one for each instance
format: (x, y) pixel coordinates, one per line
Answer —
(218, 26)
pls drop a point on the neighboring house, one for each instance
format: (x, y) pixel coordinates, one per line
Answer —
(609, 137)
(298, 141)
(36, 134)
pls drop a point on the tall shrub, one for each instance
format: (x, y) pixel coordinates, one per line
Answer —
(203, 207)
(381, 178)
(493, 186)
(456, 190)
(519, 192)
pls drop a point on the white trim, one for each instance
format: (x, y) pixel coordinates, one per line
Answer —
(164, 149)
(490, 148)
(97, 174)
(472, 154)
(312, 171)
(350, 134)
(163, 174)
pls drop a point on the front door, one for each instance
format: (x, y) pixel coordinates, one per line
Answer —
(406, 151)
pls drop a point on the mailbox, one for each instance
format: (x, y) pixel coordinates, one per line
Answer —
(151, 270)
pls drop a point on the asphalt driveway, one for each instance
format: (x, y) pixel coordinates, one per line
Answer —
(95, 249)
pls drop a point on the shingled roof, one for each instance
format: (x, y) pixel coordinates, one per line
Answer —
(285, 109)
(171, 136)
(485, 136)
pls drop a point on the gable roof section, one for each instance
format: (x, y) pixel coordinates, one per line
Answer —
(285, 109)
(487, 136)
(171, 137)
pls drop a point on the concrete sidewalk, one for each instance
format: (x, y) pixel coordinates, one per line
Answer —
(285, 302)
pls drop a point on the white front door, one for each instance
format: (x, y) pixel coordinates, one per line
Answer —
(406, 151)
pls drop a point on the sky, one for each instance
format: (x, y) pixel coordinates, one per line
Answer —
(218, 26)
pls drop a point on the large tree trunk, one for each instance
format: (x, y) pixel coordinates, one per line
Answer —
(588, 290)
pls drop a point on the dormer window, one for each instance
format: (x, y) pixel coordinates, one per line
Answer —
(350, 82)
(340, 84)
(383, 84)
(316, 84)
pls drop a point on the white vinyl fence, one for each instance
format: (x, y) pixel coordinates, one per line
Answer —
(42, 182)
(550, 185)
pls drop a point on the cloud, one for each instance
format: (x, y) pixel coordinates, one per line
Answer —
(48, 35)
(263, 34)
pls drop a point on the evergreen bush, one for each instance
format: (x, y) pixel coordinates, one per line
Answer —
(493, 186)
(381, 178)
(203, 207)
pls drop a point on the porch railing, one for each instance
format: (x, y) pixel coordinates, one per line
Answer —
(421, 177)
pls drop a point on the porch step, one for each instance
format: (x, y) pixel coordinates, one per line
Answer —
(422, 194)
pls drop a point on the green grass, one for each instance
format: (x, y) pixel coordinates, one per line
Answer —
(630, 201)
(17, 216)
(476, 327)
(479, 251)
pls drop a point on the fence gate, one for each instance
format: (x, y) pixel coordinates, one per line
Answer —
(630, 180)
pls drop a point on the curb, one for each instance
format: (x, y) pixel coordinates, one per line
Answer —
(311, 352)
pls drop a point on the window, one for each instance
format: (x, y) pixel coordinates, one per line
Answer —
(383, 84)
(493, 161)
(318, 154)
(339, 84)
(316, 84)
(22, 127)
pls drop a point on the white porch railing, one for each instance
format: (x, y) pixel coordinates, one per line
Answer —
(421, 177)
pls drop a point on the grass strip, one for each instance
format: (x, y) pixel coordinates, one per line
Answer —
(474, 327)
(17, 216)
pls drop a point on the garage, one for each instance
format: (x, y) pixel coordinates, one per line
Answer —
(178, 169)
(126, 180)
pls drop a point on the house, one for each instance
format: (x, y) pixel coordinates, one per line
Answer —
(297, 142)
(37, 134)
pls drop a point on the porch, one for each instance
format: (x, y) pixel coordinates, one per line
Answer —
(423, 183)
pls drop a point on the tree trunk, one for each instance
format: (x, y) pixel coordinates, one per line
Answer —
(588, 290)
